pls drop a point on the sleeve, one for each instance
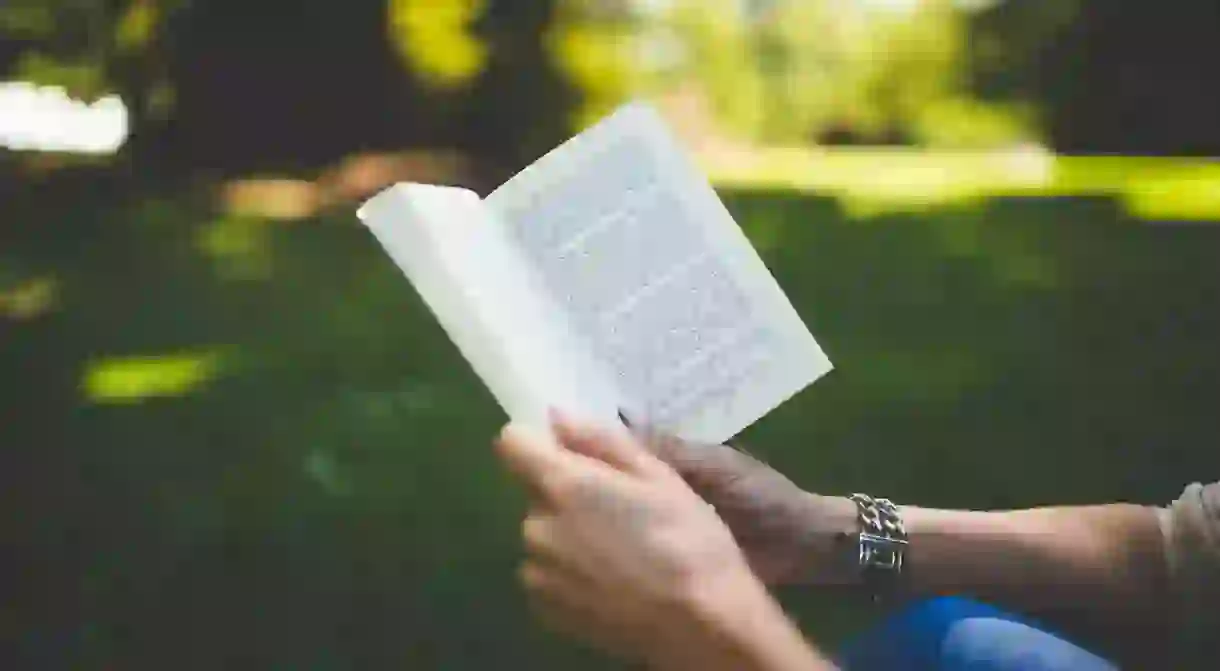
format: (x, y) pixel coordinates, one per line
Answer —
(1191, 526)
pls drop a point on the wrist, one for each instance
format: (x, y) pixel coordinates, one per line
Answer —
(735, 624)
(724, 607)
(827, 527)
(707, 622)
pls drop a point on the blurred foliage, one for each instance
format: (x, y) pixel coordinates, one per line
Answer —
(136, 27)
(593, 52)
(781, 72)
(93, 49)
(80, 79)
(941, 73)
(1009, 43)
(792, 71)
(436, 40)
(30, 18)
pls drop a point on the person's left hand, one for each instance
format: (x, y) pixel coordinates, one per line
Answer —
(620, 551)
(788, 535)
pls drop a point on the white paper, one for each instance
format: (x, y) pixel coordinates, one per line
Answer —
(629, 239)
(459, 259)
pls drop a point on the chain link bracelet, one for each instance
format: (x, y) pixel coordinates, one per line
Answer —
(882, 543)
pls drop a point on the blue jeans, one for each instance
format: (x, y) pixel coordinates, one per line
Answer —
(949, 634)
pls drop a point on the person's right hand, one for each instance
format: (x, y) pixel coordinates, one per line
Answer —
(624, 555)
(788, 535)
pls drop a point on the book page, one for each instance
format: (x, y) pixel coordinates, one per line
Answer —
(631, 240)
(470, 275)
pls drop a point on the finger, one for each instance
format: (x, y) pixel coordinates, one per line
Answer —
(535, 458)
(560, 541)
(557, 477)
(540, 536)
(545, 580)
(612, 445)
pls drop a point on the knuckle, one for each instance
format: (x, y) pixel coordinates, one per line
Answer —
(508, 433)
(502, 437)
(503, 450)
(509, 441)
(534, 531)
(532, 578)
(563, 487)
(678, 555)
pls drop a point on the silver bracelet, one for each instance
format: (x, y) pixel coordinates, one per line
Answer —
(882, 544)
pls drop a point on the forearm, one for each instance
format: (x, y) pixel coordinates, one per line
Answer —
(1098, 572)
(1102, 562)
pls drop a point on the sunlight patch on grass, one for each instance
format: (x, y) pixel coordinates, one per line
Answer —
(29, 299)
(1190, 194)
(133, 379)
(873, 181)
(894, 178)
(239, 247)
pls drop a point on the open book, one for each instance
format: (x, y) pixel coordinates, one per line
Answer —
(607, 280)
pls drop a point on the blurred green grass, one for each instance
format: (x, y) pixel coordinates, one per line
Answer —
(316, 490)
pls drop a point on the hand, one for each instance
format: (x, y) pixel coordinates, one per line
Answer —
(621, 552)
(788, 535)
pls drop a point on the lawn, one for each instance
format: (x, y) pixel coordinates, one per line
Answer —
(240, 444)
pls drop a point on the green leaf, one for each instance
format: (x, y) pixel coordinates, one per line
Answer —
(82, 80)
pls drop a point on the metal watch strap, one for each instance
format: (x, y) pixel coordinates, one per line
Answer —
(882, 544)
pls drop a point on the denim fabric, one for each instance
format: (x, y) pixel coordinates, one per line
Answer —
(950, 634)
